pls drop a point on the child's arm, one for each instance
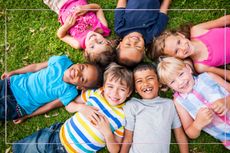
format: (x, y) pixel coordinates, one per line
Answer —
(193, 127)
(203, 27)
(112, 141)
(101, 17)
(63, 35)
(29, 68)
(41, 110)
(164, 6)
(121, 3)
(200, 68)
(181, 140)
(127, 141)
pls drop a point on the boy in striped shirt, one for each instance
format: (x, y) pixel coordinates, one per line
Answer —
(98, 121)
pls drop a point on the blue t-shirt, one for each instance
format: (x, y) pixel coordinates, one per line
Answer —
(33, 90)
(134, 18)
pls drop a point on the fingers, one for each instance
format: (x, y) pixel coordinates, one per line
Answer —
(219, 108)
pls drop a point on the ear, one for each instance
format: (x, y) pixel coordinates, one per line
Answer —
(189, 68)
(130, 92)
(80, 88)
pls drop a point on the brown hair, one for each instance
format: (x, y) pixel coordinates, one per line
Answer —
(119, 73)
(104, 58)
(127, 62)
(157, 47)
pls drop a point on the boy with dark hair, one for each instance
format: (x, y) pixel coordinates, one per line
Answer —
(149, 120)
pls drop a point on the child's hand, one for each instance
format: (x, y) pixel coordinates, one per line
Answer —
(70, 20)
(102, 124)
(20, 120)
(81, 10)
(6, 75)
(90, 112)
(204, 117)
(219, 107)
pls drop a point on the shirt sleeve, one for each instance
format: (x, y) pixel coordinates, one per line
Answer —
(54, 59)
(119, 19)
(161, 23)
(69, 95)
(176, 120)
(86, 94)
(119, 132)
(130, 116)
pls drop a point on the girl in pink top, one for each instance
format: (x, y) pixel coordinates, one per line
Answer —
(83, 26)
(208, 46)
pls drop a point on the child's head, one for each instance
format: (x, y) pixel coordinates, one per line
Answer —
(171, 44)
(176, 74)
(130, 50)
(118, 84)
(84, 76)
(146, 81)
(98, 49)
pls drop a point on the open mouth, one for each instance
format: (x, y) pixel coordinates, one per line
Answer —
(135, 37)
(147, 90)
(113, 99)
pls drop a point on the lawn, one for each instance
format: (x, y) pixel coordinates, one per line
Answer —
(28, 35)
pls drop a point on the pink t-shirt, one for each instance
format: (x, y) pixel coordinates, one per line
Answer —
(84, 24)
(217, 41)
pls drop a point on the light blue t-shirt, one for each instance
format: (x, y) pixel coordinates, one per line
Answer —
(33, 90)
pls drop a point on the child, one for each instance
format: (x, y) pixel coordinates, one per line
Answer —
(83, 26)
(98, 122)
(207, 44)
(149, 120)
(49, 84)
(202, 102)
(138, 26)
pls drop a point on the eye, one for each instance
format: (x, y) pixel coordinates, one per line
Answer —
(178, 42)
(172, 82)
(138, 47)
(127, 44)
(138, 81)
(92, 47)
(181, 74)
(100, 42)
(123, 89)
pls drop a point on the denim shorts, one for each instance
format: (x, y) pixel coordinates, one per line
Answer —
(43, 141)
(9, 108)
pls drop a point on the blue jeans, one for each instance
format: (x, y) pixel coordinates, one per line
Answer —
(9, 108)
(43, 141)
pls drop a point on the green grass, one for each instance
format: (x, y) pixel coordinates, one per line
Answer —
(31, 37)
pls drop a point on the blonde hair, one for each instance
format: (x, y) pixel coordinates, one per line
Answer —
(119, 73)
(168, 68)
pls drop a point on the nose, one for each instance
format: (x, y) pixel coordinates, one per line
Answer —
(114, 92)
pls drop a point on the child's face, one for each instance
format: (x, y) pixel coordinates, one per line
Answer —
(115, 92)
(132, 47)
(182, 81)
(95, 43)
(146, 83)
(178, 46)
(81, 75)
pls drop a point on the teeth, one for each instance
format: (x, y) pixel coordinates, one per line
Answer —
(147, 89)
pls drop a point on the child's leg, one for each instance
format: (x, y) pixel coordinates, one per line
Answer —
(8, 103)
(54, 5)
(44, 140)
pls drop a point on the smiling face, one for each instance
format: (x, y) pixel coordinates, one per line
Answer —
(178, 46)
(115, 91)
(132, 47)
(146, 83)
(95, 43)
(182, 81)
(81, 75)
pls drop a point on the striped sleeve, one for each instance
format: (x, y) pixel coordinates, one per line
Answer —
(86, 94)
(119, 132)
